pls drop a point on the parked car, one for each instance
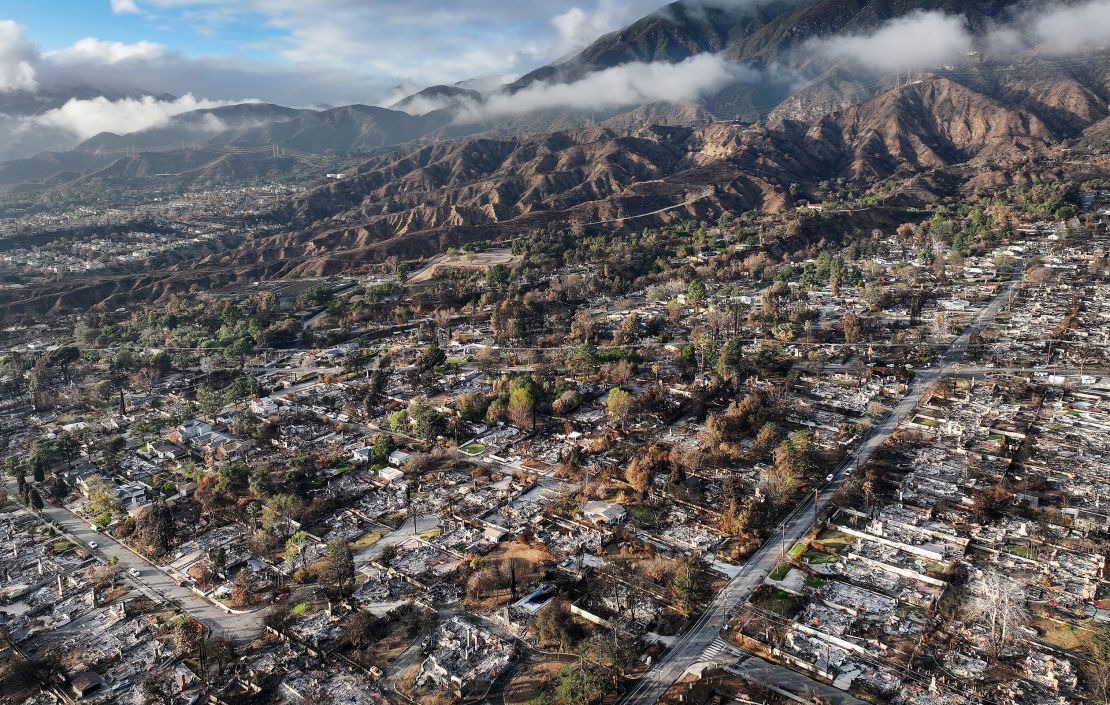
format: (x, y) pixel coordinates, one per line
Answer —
(93, 544)
(280, 597)
(134, 572)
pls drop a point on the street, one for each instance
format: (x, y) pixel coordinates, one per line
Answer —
(689, 649)
(156, 583)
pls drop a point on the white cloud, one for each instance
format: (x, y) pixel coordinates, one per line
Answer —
(1058, 29)
(17, 59)
(916, 40)
(120, 7)
(631, 84)
(96, 51)
(86, 118)
(578, 26)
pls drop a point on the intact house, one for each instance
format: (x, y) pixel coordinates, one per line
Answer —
(604, 513)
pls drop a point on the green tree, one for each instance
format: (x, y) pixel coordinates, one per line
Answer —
(161, 362)
(399, 421)
(339, 565)
(690, 584)
(280, 509)
(59, 490)
(102, 497)
(208, 402)
(233, 477)
(383, 446)
(237, 351)
(67, 446)
(427, 423)
(696, 293)
(522, 406)
(63, 357)
(294, 547)
(237, 391)
(432, 358)
(619, 405)
(730, 361)
(472, 406)
(581, 684)
(40, 458)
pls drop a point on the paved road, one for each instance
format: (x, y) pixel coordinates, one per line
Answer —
(156, 583)
(792, 682)
(691, 647)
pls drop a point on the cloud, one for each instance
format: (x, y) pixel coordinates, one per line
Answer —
(916, 40)
(121, 7)
(578, 26)
(77, 120)
(1056, 29)
(96, 51)
(17, 59)
(85, 118)
(630, 84)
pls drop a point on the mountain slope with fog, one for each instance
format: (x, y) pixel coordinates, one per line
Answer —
(765, 40)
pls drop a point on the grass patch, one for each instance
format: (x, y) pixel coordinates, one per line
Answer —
(782, 602)
(393, 519)
(431, 533)
(641, 516)
(814, 582)
(834, 539)
(1019, 550)
(365, 541)
(475, 448)
(298, 609)
(926, 421)
(1064, 635)
(780, 571)
(798, 550)
(819, 557)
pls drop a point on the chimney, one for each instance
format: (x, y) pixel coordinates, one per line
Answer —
(38, 565)
(92, 597)
(60, 591)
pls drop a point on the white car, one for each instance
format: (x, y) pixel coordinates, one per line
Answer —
(93, 544)
(134, 572)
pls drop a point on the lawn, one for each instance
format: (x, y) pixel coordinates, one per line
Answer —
(365, 541)
(926, 421)
(393, 519)
(641, 516)
(779, 601)
(798, 550)
(1067, 636)
(431, 533)
(1019, 550)
(834, 539)
(780, 571)
(819, 557)
(475, 448)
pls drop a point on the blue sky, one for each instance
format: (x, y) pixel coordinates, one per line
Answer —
(301, 51)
